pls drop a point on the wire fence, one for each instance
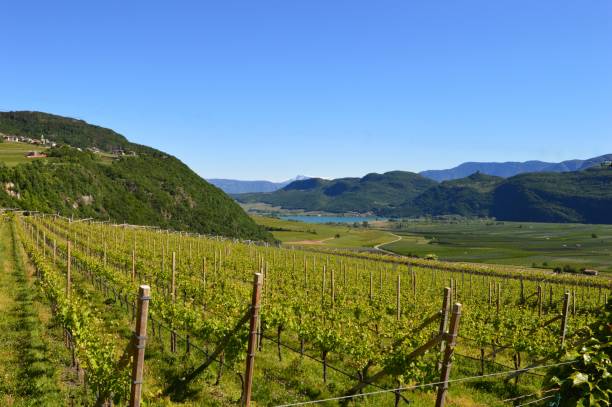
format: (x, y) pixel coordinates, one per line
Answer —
(417, 386)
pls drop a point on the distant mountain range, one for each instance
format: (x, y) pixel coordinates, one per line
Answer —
(505, 170)
(583, 196)
(510, 169)
(372, 193)
(233, 186)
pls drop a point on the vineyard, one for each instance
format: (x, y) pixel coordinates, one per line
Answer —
(236, 322)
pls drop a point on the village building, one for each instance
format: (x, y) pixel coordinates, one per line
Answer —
(35, 154)
(11, 138)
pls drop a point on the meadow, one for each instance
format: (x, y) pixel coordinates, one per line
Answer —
(543, 245)
(13, 153)
(328, 235)
(538, 245)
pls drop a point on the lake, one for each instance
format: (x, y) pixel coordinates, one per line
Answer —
(330, 219)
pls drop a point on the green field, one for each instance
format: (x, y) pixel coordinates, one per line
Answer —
(543, 245)
(546, 245)
(332, 235)
(13, 153)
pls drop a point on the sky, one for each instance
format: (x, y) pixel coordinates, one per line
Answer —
(272, 89)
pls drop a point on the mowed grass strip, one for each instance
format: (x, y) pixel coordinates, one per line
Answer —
(31, 362)
(14, 153)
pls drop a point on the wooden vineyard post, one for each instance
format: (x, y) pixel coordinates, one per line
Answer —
(68, 270)
(414, 286)
(599, 296)
(173, 296)
(398, 295)
(140, 338)
(204, 273)
(550, 298)
(522, 291)
(470, 295)
(104, 259)
(173, 280)
(54, 250)
(333, 289)
(444, 319)
(498, 299)
(134, 263)
(250, 362)
(68, 289)
(565, 312)
(451, 339)
(323, 286)
(371, 283)
(539, 300)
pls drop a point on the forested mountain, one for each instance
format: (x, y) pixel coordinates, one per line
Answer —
(510, 169)
(470, 196)
(578, 196)
(372, 193)
(64, 130)
(151, 188)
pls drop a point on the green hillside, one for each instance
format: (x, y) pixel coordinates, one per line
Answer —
(152, 188)
(13, 153)
(372, 193)
(65, 130)
(470, 196)
(581, 197)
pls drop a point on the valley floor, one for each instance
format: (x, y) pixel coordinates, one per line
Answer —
(539, 245)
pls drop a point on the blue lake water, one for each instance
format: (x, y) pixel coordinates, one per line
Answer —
(330, 219)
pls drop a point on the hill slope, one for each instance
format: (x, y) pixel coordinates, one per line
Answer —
(151, 189)
(372, 193)
(64, 130)
(510, 169)
(581, 196)
(470, 196)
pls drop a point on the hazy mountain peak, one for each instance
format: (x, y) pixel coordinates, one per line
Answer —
(512, 168)
(234, 186)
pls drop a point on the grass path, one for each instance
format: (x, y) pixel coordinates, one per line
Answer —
(9, 361)
(380, 245)
(31, 359)
(309, 242)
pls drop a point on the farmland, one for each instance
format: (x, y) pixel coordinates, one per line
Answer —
(543, 245)
(331, 235)
(329, 322)
(13, 153)
(538, 245)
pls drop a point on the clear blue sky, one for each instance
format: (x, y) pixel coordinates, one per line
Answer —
(271, 89)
